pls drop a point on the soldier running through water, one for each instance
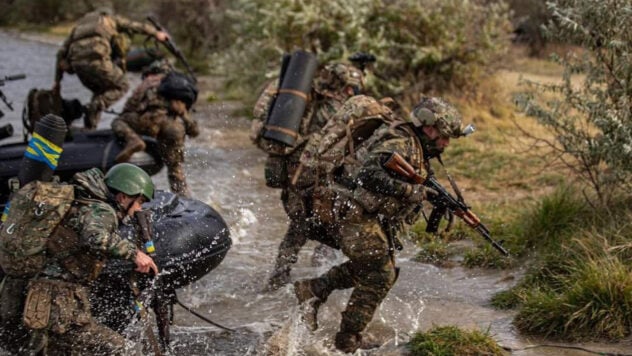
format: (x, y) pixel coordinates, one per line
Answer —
(95, 51)
(373, 207)
(335, 83)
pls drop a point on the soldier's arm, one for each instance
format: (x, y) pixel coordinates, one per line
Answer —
(61, 64)
(374, 177)
(126, 25)
(99, 233)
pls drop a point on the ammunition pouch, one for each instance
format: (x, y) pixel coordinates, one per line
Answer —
(377, 203)
(275, 171)
(323, 200)
(38, 305)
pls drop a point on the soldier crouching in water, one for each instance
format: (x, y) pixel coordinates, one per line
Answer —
(159, 108)
(76, 252)
(95, 51)
(334, 84)
(373, 209)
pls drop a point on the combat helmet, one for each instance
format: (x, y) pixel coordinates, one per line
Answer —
(334, 77)
(130, 179)
(178, 86)
(431, 111)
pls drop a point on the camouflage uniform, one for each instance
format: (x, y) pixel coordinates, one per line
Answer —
(148, 113)
(372, 212)
(90, 51)
(326, 98)
(88, 236)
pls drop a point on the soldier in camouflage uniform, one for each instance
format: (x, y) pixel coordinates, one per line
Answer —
(334, 84)
(147, 112)
(95, 51)
(373, 210)
(83, 240)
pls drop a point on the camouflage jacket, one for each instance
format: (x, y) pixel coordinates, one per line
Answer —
(92, 224)
(92, 38)
(380, 190)
(145, 97)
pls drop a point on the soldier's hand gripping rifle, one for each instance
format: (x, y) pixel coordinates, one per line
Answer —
(7, 130)
(442, 200)
(171, 47)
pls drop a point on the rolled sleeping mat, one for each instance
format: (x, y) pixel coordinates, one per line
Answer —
(6, 131)
(285, 117)
(43, 151)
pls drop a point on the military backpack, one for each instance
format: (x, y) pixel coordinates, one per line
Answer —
(35, 212)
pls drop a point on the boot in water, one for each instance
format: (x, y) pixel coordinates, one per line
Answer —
(350, 342)
(132, 146)
(309, 302)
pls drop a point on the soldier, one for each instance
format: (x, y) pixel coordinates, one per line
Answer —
(95, 51)
(331, 88)
(57, 298)
(372, 211)
(159, 107)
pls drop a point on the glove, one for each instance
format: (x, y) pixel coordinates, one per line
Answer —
(417, 194)
(191, 127)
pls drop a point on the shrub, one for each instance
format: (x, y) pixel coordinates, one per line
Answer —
(429, 45)
(450, 340)
(590, 112)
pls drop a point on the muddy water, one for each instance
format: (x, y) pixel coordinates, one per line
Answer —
(226, 171)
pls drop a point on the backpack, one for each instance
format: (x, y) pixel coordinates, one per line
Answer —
(344, 139)
(41, 102)
(35, 212)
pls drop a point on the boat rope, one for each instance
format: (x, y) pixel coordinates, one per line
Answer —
(603, 353)
(190, 310)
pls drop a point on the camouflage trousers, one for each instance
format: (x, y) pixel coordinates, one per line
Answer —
(370, 270)
(302, 226)
(168, 131)
(14, 337)
(71, 329)
(106, 81)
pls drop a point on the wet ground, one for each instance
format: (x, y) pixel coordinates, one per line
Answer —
(226, 171)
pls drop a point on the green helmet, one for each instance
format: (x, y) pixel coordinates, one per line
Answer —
(438, 113)
(130, 179)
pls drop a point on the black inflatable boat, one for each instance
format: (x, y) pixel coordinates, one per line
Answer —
(190, 238)
(85, 150)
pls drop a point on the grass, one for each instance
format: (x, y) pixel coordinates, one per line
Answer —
(450, 340)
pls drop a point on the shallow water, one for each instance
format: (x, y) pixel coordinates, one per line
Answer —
(226, 171)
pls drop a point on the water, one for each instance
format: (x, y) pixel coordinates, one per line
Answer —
(226, 171)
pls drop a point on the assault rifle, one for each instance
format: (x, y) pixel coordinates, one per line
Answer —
(171, 47)
(441, 200)
(7, 130)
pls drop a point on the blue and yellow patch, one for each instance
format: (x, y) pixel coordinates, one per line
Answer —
(42, 150)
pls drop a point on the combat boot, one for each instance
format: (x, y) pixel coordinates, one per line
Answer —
(278, 279)
(132, 145)
(350, 342)
(309, 301)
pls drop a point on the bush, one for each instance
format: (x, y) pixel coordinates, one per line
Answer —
(450, 340)
(589, 113)
(421, 46)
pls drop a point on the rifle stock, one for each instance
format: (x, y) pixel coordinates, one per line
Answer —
(399, 165)
(441, 201)
(171, 47)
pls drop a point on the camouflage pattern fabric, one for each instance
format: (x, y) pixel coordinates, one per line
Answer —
(88, 53)
(147, 113)
(371, 217)
(78, 256)
(296, 200)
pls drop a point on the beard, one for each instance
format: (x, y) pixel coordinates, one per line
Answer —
(430, 148)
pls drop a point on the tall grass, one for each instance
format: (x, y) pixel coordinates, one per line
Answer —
(450, 340)
(580, 285)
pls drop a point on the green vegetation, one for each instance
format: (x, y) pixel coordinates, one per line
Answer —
(450, 340)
